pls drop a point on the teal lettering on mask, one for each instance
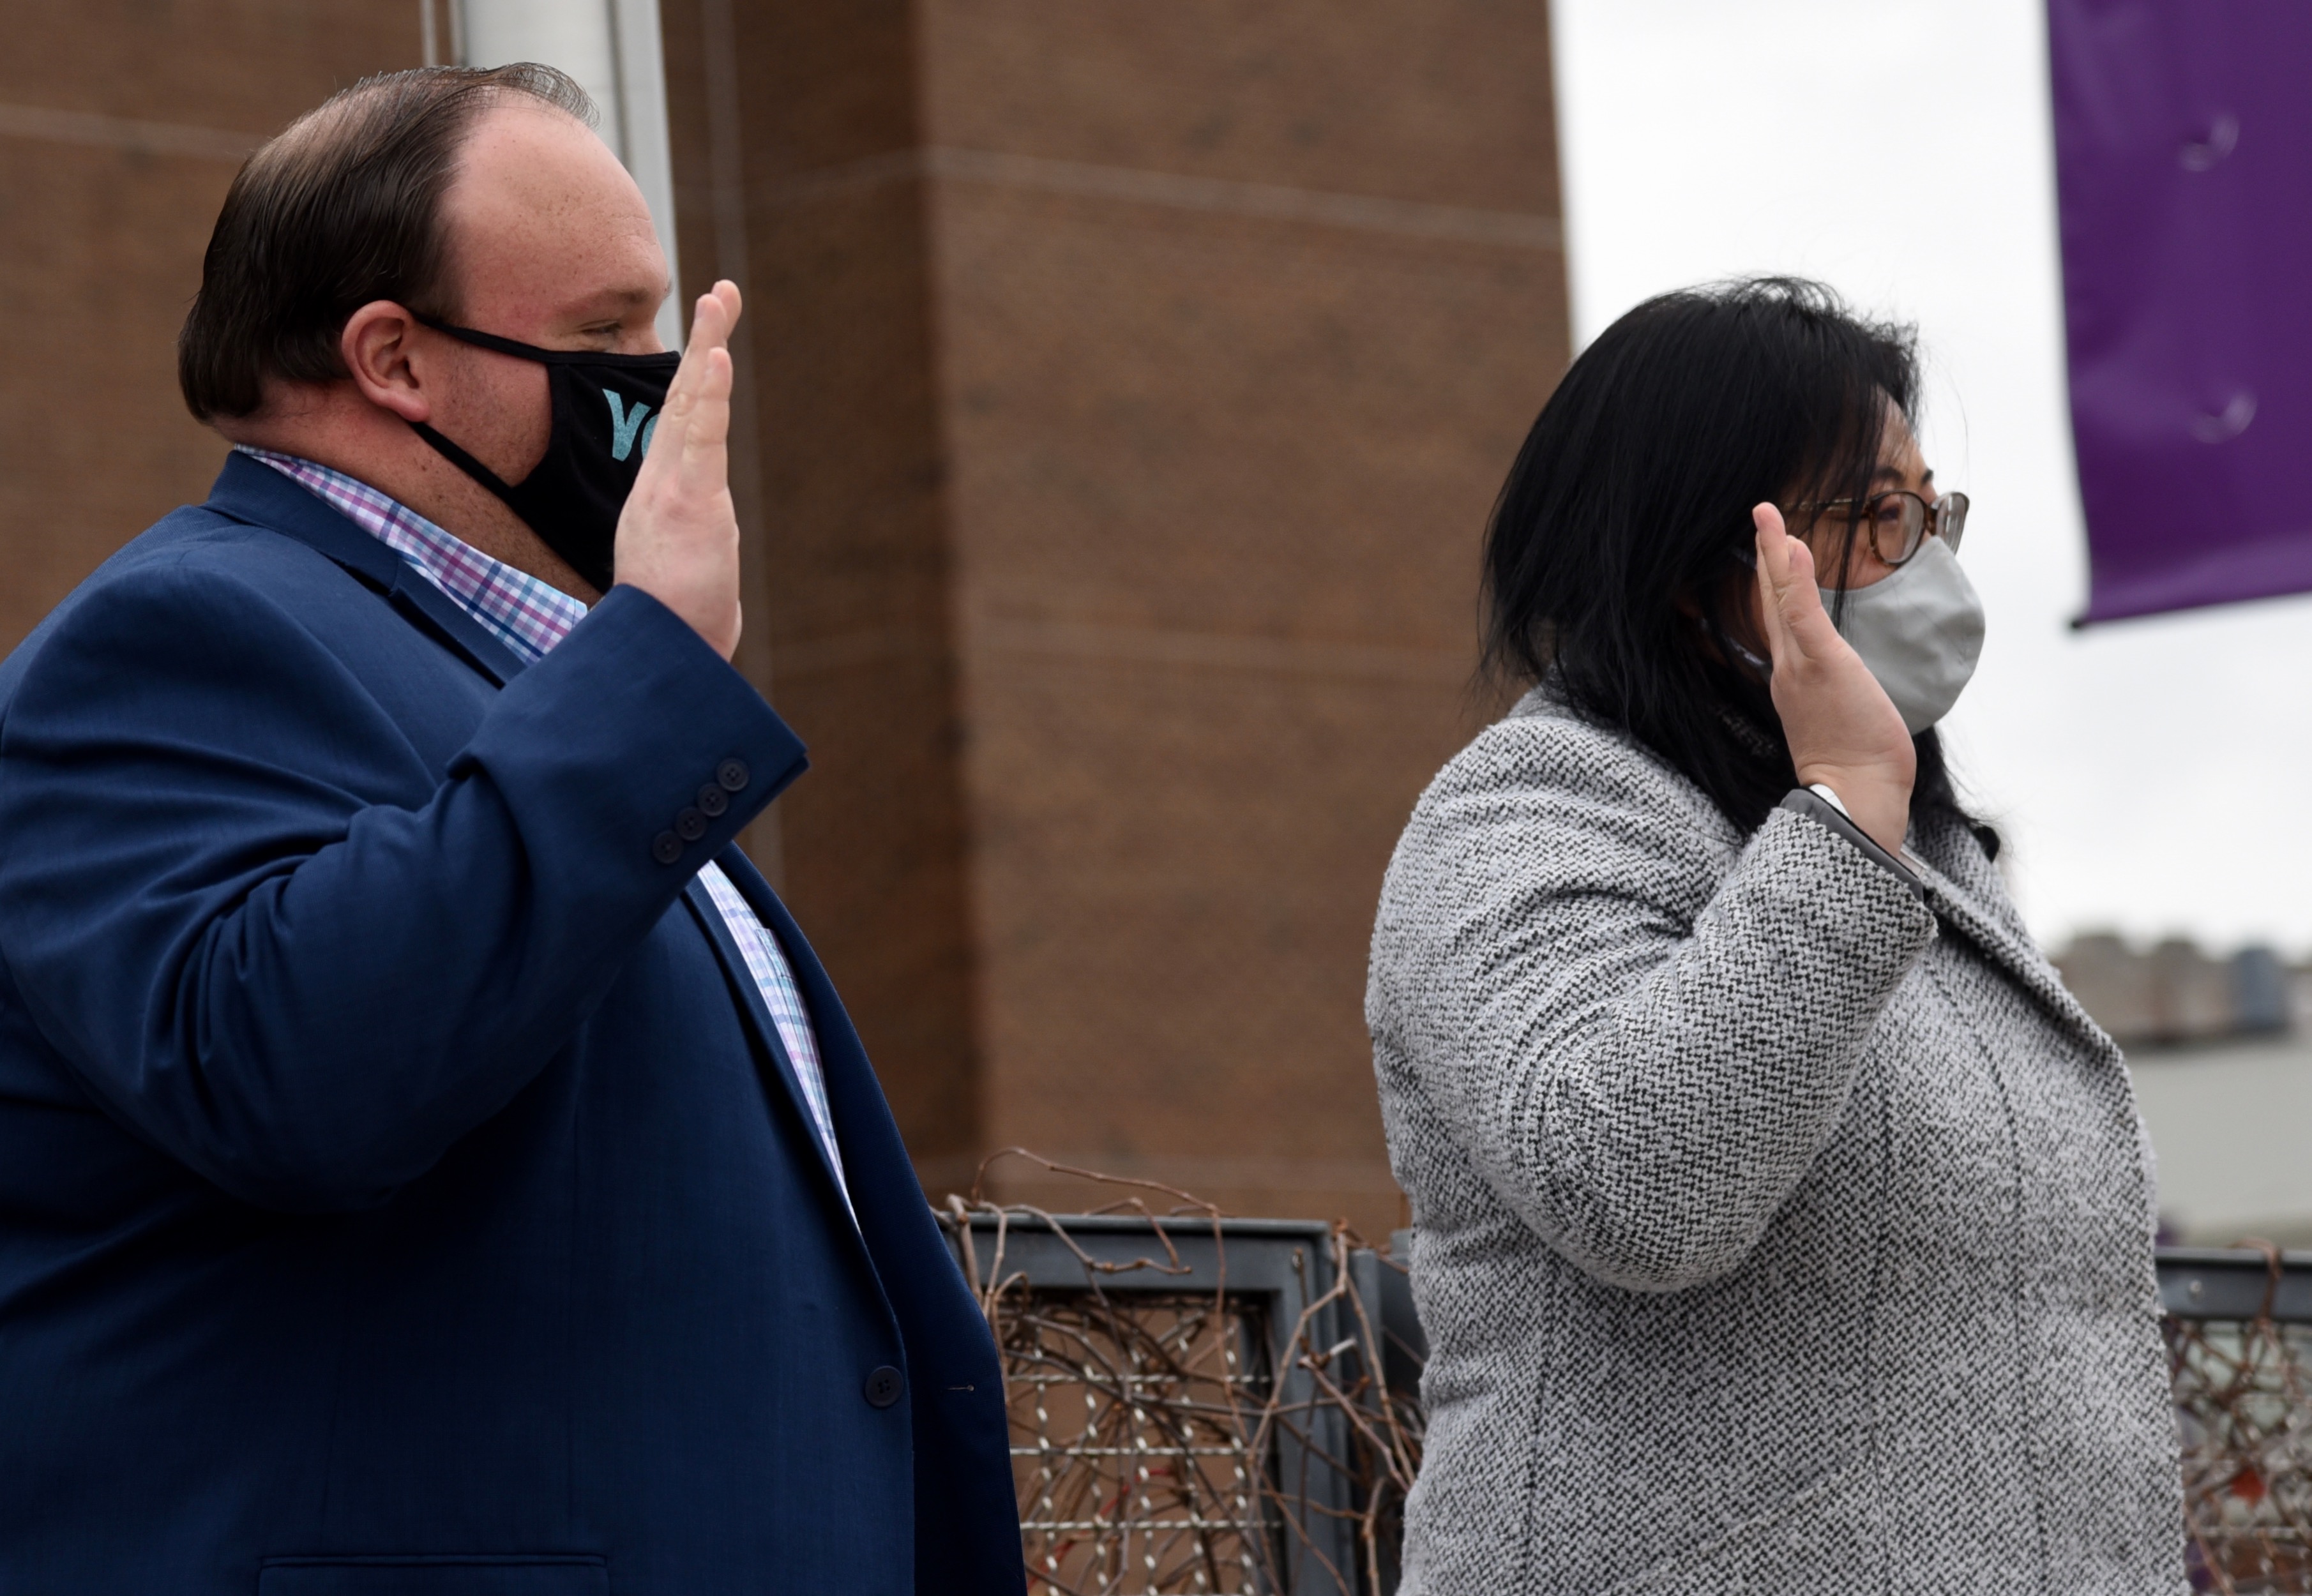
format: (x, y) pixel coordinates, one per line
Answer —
(624, 423)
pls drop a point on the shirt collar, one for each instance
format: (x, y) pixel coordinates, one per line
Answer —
(522, 611)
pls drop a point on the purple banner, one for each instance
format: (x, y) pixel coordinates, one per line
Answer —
(2183, 168)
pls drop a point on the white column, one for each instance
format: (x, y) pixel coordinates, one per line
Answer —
(612, 48)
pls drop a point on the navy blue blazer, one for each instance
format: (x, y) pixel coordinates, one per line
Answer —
(402, 1186)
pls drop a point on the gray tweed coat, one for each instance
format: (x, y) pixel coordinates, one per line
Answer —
(1775, 1232)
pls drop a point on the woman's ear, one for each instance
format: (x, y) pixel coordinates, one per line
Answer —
(378, 348)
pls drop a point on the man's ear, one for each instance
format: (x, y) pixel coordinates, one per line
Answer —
(378, 346)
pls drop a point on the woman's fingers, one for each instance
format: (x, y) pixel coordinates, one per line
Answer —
(1841, 727)
(1792, 609)
(1810, 623)
(1774, 546)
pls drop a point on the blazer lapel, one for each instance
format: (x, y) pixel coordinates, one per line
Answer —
(2011, 949)
(841, 1059)
(432, 610)
(757, 1012)
(253, 493)
(885, 1197)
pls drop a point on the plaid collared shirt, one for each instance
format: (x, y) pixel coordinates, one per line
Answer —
(530, 617)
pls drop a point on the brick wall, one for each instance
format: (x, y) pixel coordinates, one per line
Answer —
(1123, 390)
(122, 124)
(1133, 382)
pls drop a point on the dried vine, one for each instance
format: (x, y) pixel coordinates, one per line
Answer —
(1145, 1422)
(2244, 1416)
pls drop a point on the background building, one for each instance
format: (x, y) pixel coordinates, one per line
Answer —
(2220, 1050)
(1123, 390)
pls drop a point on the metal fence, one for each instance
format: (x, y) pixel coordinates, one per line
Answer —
(2239, 1355)
(1199, 1404)
(1210, 1405)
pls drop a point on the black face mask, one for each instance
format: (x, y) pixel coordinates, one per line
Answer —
(605, 408)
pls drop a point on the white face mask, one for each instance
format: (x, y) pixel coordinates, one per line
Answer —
(1920, 631)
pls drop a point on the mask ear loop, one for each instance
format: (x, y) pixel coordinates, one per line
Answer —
(1763, 669)
(467, 463)
(665, 359)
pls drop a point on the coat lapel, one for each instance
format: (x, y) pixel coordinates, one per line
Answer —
(751, 1000)
(886, 1197)
(431, 610)
(2001, 939)
(253, 493)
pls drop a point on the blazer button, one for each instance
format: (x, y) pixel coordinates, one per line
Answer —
(731, 775)
(666, 847)
(713, 801)
(690, 826)
(884, 1385)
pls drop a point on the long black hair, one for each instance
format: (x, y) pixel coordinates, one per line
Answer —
(1617, 561)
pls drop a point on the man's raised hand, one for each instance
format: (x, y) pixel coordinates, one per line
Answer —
(1843, 729)
(679, 535)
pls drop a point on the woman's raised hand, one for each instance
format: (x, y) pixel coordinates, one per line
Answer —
(1843, 729)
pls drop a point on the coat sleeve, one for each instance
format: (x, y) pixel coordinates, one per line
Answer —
(1640, 1050)
(282, 947)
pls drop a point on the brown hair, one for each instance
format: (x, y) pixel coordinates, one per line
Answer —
(343, 208)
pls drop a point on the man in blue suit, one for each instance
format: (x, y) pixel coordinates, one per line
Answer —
(431, 1159)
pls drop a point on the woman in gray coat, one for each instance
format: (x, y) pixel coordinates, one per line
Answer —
(1782, 1224)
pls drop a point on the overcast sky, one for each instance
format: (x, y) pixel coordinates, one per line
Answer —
(2150, 775)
